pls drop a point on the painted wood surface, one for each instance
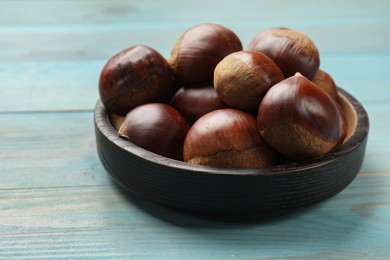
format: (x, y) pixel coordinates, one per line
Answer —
(56, 200)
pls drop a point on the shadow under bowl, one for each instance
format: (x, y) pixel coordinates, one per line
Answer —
(223, 191)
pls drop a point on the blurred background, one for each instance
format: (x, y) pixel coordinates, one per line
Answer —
(47, 47)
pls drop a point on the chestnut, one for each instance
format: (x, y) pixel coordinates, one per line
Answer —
(227, 138)
(199, 49)
(156, 127)
(115, 120)
(242, 78)
(326, 82)
(299, 119)
(196, 101)
(133, 77)
(292, 51)
(343, 123)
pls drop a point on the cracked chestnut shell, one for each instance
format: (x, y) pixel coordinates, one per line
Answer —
(156, 127)
(299, 119)
(199, 49)
(242, 78)
(227, 138)
(292, 51)
(133, 77)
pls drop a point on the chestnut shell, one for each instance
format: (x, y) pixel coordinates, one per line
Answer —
(156, 127)
(227, 138)
(199, 49)
(242, 78)
(133, 77)
(292, 51)
(326, 82)
(299, 119)
(194, 102)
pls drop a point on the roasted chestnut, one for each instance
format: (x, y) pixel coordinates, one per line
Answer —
(299, 119)
(227, 138)
(156, 127)
(196, 101)
(292, 51)
(133, 77)
(242, 78)
(199, 49)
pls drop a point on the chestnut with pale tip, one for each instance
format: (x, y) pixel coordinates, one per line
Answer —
(292, 51)
(299, 119)
(156, 127)
(195, 101)
(242, 78)
(199, 49)
(227, 138)
(135, 76)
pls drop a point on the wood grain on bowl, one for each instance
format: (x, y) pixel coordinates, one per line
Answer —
(234, 191)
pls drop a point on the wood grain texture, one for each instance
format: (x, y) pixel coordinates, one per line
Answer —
(48, 150)
(72, 85)
(56, 200)
(104, 221)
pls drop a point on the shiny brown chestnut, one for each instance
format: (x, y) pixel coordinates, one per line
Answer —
(292, 51)
(196, 101)
(227, 138)
(242, 78)
(156, 127)
(299, 119)
(343, 123)
(133, 77)
(326, 82)
(199, 49)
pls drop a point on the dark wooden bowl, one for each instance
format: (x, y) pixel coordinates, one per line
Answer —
(234, 191)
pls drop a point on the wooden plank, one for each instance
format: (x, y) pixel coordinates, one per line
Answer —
(63, 30)
(58, 149)
(378, 139)
(91, 43)
(73, 85)
(50, 149)
(30, 86)
(105, 222)
(171, 11)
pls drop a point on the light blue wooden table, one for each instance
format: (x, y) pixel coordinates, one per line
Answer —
(57, 201)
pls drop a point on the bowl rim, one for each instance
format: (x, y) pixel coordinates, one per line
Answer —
(357, 137)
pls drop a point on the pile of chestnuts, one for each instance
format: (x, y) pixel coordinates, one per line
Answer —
(213, 103)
